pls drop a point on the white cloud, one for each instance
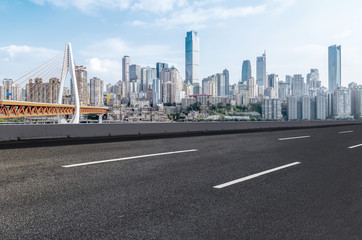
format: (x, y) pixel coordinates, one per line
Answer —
(14, 52)
(115, 48)
(282, 5)
(103, 58)
(87, 5)
(201, 17)
(155, 5)
(107, 69)
(16, 61)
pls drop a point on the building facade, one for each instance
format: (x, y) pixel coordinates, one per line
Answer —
(192, 58)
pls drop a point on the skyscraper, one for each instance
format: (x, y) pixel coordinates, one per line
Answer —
(246, 71)
(82, 83)
(298, 86)
(192, 58)
(261, 70)
(134, 72)
(334, 67)
(227, 81)
(125, 73)
(273, 82)
(96, 91)
(159, 67)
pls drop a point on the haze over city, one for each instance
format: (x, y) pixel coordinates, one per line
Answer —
(295, 34)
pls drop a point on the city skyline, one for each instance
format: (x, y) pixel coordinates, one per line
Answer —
(102, 53)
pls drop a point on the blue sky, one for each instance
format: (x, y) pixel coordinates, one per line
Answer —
(295, 33)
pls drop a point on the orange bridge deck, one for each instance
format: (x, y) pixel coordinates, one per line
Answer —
(17, 109)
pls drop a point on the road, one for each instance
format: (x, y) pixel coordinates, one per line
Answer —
(295, 184)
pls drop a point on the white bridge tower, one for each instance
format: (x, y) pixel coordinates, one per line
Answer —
(68, 66)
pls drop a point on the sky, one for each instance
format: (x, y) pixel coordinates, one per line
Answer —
(295, 34)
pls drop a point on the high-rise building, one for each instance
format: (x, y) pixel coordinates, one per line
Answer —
(134, 72)
(227, 81)
(298, 86)
(292, 108)
(96, 91)
(341, 103)
(358, 102)
(283, 90)
(221, 84)
(125, 74)
(8, 88)
(273, 82)
(321, 107)
(38, 91)
(334, 67)
(251, 85)
(261, 70)
(157, 94)
(313, 78)
(192, 58)
(82, 82)
(246, 71)
(306, 110)
(288, 79)
(271, 109)
(159, 67)
(143, 79)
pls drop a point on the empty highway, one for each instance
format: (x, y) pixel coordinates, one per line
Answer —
(295, 184)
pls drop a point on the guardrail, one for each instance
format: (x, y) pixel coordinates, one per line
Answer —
(53, 131)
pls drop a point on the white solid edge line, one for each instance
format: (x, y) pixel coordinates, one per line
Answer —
(128, 158)
(291, 138)
(351, 131)
(355, 146)
(254, 176)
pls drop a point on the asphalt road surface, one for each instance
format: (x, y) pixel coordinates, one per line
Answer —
(296, 184)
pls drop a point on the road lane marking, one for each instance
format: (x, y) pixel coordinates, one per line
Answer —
(128, 158)
(355, 146)
(351, 131)
(291, 138)
(254, 175)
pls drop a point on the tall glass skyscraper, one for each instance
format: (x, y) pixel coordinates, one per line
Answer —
(334, 67)
(246, 71)
(192, 58)
(227, 81)
(261, 70)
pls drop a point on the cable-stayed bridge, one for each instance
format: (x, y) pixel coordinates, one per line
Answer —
(39, 93)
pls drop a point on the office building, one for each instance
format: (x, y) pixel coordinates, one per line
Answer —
(246, 71)
(261, 70)
(273, 83)
(227, 81)
(159, 67)
(125, 74)
(298, 86)
(334, 67)
(157, 93)
(313, 78)
(192, 58)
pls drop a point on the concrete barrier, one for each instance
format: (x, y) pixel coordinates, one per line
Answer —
(26, 132)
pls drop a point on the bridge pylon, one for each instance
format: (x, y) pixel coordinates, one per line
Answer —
(69, 67)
